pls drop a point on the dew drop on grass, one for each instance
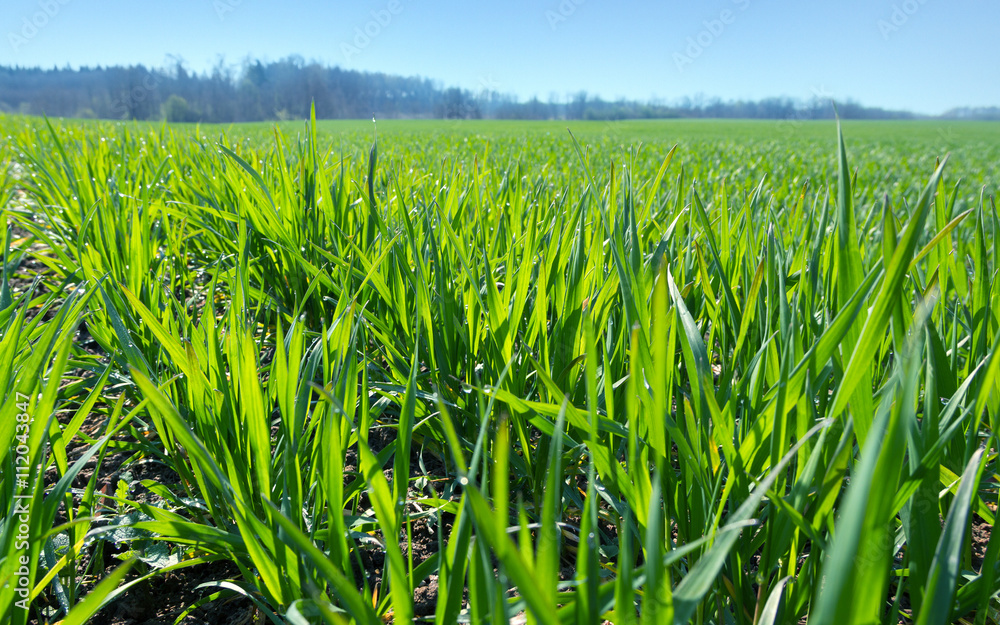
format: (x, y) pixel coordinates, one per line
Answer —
(464, 481)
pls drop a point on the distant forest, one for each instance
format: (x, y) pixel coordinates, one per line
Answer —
(285, 89)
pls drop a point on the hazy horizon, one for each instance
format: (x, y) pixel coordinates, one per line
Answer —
(916, 55)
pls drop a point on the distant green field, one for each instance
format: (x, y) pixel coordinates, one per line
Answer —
(945, 134)
(896, 151)
(712, 372)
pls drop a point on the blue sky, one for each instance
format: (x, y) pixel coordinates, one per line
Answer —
(922, 55)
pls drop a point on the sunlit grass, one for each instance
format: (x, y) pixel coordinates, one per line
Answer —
(746, 379)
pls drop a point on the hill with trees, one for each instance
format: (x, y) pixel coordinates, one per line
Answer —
(285, 89)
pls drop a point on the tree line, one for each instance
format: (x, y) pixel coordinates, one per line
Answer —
(285, 89)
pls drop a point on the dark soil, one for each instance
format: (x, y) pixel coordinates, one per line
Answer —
(163, 599)
(426, 533)
(981, 531)
(160, 601)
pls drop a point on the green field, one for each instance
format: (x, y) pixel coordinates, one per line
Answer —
(647, 372)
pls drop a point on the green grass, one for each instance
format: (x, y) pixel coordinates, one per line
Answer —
(718, 372)
(948, 134)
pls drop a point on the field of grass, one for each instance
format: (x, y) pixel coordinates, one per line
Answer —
(650, 372)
